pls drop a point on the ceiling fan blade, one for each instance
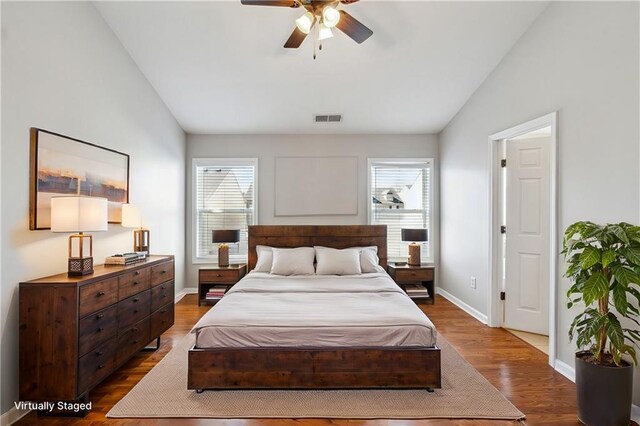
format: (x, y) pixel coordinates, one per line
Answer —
(353, 28)
(295, 40)
(348, 1)
(279, 3)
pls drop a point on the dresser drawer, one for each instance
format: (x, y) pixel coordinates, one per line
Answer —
(133, 309)
(96, 296)
(132, 339)
(161, 273)
(161, 295)
(97, 328)
(403, 275)
(219, 276)
(96, 365)
(134, 282)
(162, 319)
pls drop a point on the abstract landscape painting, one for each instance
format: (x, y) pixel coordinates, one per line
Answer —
(61, 165)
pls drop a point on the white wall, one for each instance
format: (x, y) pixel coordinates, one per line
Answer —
(65, 71)
(581, 59)
(267, 147)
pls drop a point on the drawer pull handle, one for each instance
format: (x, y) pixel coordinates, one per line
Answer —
(219, 275)
(134, 329)
(163, 272)
(99, 316)
(135, 283)
(99, 353)
(101, 293)
(137, 273)
(100, 329)
(136, 300)
(101, 366)
(164, 311)
(135, 311)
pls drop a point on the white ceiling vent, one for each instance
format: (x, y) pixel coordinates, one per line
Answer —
(327, 118)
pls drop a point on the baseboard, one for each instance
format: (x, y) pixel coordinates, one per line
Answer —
(182, 293)
(566, 370)
(12, 416)
(460, 304)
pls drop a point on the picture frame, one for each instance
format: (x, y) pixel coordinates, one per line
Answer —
(60, 165)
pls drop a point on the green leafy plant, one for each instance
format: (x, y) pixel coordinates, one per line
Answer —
(604, 267)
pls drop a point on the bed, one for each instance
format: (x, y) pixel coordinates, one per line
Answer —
(315, 332)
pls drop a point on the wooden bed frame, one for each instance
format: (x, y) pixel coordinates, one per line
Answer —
(315, 368)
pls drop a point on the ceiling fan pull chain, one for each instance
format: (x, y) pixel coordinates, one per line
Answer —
(314, 47)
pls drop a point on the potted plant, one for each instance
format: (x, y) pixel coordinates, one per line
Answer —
(603, 263)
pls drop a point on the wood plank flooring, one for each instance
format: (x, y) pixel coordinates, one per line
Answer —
(517, 369)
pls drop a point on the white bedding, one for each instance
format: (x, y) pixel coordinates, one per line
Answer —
(263, 310)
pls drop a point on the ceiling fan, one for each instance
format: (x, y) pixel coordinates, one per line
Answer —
(322, 12)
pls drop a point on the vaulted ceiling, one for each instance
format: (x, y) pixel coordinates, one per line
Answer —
(220, 66)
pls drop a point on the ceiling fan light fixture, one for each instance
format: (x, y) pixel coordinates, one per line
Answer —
(330, 16)
(305, 22)
(325, 32)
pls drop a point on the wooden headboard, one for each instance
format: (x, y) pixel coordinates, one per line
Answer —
(341, 236)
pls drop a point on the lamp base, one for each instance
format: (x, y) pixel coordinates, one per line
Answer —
(414, 255)
(223, 255)
(79, 266)
(141, 240)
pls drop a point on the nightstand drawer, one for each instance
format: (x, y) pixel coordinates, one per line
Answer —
(219, 276)
(414, 275)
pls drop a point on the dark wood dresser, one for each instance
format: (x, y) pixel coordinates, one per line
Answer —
(75, 331)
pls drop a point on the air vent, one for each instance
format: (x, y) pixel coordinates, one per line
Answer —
(327, 118)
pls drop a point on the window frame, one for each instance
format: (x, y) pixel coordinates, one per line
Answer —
(211, 162)
(407, 161)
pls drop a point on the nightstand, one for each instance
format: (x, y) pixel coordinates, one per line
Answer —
(214, 281)
(416, 281)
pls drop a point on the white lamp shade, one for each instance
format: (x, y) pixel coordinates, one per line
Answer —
(78, 214)
(305, 22)
(324, 33)
(131, 216)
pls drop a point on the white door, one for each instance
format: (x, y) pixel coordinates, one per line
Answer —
(527, 235)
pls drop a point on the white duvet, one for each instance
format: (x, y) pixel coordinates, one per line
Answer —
(264, 310)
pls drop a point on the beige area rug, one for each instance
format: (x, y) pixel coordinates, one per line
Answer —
(464, 394)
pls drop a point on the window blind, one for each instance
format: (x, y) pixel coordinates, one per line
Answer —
(225, 199)
(400, 197)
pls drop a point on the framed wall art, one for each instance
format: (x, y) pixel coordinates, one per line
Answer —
(60, 165)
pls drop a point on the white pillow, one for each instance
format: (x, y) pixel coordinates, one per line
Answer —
(296, 261)
(265, 259)
(369, 259)
(337, 262)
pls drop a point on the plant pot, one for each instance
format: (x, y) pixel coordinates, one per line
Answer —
(604, 393)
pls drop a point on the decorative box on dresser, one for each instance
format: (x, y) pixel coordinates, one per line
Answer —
(76, 331)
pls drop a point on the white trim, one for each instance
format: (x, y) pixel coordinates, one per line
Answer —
(12, 416)
(460, 304)
(565, 369)
(493, 298)
(635, 413)
(182, 293)
(433, 233)
(250, 161)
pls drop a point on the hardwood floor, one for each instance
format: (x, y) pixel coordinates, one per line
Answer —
(517, 369)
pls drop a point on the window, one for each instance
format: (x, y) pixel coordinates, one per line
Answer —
(400, 196)
(224, 191)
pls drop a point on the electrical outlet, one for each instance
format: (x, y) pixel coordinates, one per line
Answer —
(473, 282)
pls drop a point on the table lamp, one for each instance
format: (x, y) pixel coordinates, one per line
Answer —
(224, 236)
(414, 235)
(131, 218)
(79, 215)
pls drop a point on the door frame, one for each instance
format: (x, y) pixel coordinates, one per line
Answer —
(493, 298)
